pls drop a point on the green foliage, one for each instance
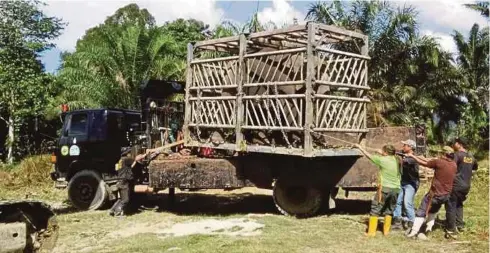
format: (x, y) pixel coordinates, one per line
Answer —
(473, 63)
(24, 32)
(413, 80)
(481, 6)
(113, 59)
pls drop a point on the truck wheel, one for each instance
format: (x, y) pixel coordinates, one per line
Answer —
(87, 190)
(300, 201)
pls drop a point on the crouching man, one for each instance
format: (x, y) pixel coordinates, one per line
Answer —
(384, 201)
(127, 170)
(440, 190)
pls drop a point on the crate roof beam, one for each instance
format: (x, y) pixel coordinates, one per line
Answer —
(289, 37)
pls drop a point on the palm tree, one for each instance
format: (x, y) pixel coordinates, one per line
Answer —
(481, 7)
(473, 62)
(321, 12)
(112, 61)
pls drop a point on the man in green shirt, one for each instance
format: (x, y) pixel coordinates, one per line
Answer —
(389, 179)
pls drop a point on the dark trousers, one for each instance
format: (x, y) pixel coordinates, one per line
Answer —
(384, 202)
(454, 209)
(125, 188)
(431, 204)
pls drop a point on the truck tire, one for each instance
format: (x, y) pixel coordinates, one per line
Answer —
(299, 201)
(87, 190)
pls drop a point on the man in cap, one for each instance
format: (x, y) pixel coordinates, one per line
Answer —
(127, 170)
(410, 184)
(462, 182)
(384, 201)
(440, 190)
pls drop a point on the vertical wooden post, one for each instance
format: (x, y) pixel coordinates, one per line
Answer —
(310, 79)
(188, 85)
(365, 52)
(242, 77)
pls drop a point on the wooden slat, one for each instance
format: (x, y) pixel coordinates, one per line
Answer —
(341, 31)
(342, 85)
(286, 51)
(294, 28)
(333, 51)
(216, 41)
(228, 58)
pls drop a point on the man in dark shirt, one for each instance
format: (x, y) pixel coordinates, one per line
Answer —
(409, 184)
(440, 190)
(462, 182)
(127, 170)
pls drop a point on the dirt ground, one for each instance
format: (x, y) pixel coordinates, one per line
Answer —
(243, 220)
(246, 220)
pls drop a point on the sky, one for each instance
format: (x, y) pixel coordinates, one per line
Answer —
(438, 18)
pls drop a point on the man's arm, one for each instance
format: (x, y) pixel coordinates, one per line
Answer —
(367, 154)
(421, 161)
(138, 159)
(475, 165)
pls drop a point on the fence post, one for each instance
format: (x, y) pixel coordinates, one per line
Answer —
(188, 84)
(242, 76)
(365, 52)
(310, 79)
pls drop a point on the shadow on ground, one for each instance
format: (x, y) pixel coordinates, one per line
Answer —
(230, 204)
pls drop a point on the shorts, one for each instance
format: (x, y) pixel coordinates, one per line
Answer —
(431, 204)
(386, 203)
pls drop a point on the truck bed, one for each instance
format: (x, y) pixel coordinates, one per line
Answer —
(346, 167)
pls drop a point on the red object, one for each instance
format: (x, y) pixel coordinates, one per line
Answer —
(64, 108)
(206, 152)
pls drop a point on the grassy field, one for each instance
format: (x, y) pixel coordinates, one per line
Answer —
(229, 219)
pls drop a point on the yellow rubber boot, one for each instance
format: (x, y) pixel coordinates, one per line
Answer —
(373, 225)
(387, 225)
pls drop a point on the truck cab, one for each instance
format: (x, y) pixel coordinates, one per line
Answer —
(88, 148)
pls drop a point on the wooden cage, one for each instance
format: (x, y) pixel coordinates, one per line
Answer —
(285, 91)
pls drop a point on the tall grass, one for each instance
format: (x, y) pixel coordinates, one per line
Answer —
(32, 171)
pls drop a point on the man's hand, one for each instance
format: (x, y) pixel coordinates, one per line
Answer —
(185, 152)
(140, 157)
(410, 155)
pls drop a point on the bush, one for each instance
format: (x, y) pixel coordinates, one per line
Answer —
(32, 171)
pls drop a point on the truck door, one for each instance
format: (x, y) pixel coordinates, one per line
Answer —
(116, 136)
(73, 137)
(96, 145)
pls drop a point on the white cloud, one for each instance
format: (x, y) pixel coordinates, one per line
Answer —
(282, 12)
(445, 40)
(447, 15)
(82, 15)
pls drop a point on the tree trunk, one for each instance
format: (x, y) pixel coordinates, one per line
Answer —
(10, 140)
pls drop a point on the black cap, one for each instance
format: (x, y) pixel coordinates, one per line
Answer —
(125, 151)
(461, 140)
